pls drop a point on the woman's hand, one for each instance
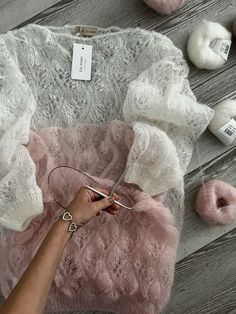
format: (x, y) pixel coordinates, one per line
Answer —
(30, 294)
(87, 204)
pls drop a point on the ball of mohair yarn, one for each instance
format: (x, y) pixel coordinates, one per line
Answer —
(164, 6)
(216, 202)
(223, 124)
(224, 112)
(200, 45)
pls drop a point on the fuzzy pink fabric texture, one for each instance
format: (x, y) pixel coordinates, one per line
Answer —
(123, 264)
(165, 6)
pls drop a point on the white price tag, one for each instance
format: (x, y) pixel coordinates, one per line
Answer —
(81, 62)
(227, 133)
(221, 47)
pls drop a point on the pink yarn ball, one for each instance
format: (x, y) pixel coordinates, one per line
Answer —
(164, 6)
(216, 202)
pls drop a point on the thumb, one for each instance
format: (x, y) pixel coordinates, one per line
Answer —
(104, 203)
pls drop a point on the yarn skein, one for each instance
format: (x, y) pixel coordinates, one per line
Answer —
(164, 6)
(203, 42)
(225, 111)
(216, 202)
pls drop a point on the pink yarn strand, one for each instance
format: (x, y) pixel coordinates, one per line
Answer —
(216, 202)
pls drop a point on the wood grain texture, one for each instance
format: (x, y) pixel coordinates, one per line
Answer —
(14, 12)
(205, 281)
(196, 233)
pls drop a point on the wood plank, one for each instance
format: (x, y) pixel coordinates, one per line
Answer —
(107, 13)
(195, 232)
(205, 281)
(14, 12)
(219, 87)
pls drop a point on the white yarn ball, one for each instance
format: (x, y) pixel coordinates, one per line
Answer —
(224, 112)
(199, 50)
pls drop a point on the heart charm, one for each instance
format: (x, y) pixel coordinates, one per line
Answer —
(67, 216)
(73, 227)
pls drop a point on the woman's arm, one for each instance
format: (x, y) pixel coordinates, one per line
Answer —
(30, 294)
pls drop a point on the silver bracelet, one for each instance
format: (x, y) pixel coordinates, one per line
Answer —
(72, 227)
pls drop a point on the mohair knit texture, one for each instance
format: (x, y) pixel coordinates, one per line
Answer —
(139, 77)
(120, 264)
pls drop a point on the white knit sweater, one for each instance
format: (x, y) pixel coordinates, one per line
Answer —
(137, 76)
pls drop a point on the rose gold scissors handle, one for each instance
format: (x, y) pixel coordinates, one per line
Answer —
(104, 195)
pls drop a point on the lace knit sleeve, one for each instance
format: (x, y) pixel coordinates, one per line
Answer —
(161, 97)
(18, 187)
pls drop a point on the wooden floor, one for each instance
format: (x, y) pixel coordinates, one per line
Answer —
(205, 279)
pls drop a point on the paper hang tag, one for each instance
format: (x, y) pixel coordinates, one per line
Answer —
(227, 133)
(221, 47)
(81, 62)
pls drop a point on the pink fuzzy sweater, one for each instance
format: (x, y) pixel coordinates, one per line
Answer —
(123, 264)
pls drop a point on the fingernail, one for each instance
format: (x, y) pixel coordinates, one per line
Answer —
(111, 199)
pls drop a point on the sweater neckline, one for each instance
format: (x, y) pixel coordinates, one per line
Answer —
(70, 30)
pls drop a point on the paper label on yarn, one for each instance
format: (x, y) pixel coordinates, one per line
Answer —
(227, 133)
(81, 62)
(221, 47)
